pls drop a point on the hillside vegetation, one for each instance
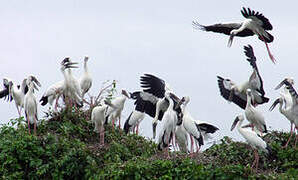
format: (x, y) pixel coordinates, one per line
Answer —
(67, 148)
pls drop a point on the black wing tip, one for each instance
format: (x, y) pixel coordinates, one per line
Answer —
(43, 100)
(126, 124)
(199, 26)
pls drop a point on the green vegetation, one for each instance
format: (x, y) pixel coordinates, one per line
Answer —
(67, 148)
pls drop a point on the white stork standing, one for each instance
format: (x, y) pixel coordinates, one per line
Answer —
(293, 109)
(253, 115)
(237, 93)
(85, 80)
(30, 104)
(169, 122)
(115, 108)
(252, 139)
(255, 23)
(98, 118)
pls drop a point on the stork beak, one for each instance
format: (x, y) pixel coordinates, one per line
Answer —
(34, 86)
(234, 123)
(174, 97)
(247, 126)
(125, 93)
(274, 104)
(70, 65)
(9, 91)
(231, 40)
(280, 84)
(180, 102)
(65, 60)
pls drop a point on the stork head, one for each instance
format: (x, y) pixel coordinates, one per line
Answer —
(290, 80)
(277, 101)
(65, 60)
(68, 65)
(34, 80)
(286, 80)
(237, 119)
(232, 34)
(86, 58)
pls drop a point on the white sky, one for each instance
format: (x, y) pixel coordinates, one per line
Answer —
(125, 39)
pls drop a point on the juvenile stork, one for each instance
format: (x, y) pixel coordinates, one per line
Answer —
(253, 139)
(254, 116)
(254, 24)
(293, 109)
(237, 93)
(30, 104)
(85, 80)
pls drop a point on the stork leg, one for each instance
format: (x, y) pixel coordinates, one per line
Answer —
(18, 110)
(255, 159)
(198, 147)
(35, 123)
(173, 142)
(119, 122)
(291, 133)
(137, 131)
(269, 53)
(296, 137)
(191, 144)
(28, 123)
(102, 135)
(257, 162)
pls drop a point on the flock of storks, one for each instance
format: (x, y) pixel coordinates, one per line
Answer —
(157, 100)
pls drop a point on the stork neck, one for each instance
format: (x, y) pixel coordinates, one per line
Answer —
(248, 103)
(85, 66)
(171, 104)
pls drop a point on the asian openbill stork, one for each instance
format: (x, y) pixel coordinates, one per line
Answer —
(115, 108)
(255, 23)
(72, 89)
(237, 93)
(85, 80)
(253, 115)
(154, 89)
(253, 139)
(98, 118)
(30, 104)
(169, 122)
(293, 109)
(286, 93)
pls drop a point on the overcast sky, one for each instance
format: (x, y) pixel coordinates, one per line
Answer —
(125, 39)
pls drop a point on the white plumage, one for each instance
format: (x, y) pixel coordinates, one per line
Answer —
(85, 80)
(98, 118)
(252, 139)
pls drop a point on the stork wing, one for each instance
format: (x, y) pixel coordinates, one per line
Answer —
(5, 93)
(224, 28)
(248, 50)
(24, 86)
(153, 85)
(225, 92)
(254, 15)
(146, 103)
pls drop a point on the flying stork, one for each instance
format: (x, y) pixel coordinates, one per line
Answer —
(253, 139)
(85, 80)
(237, 93)
(30, 104)
(255, 23)
(293, 109)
